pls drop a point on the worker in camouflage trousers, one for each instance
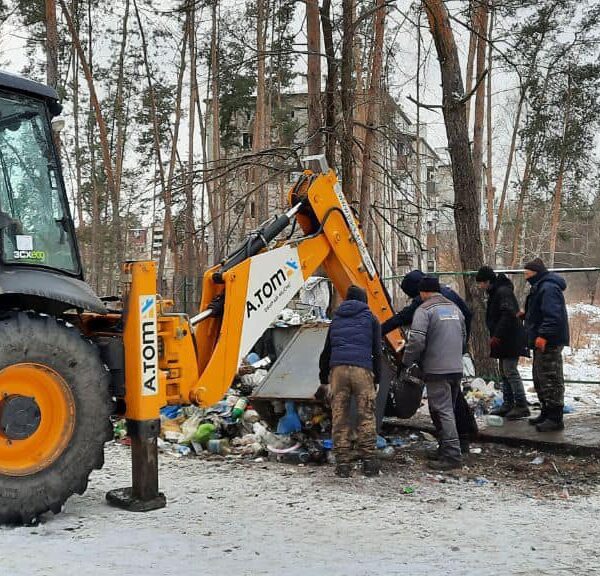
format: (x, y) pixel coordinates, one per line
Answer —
(547, 327)
(350, 366)
(436, 342)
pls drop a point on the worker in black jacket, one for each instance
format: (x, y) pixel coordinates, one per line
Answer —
(465, 421)
(507, 340)
(410, 286)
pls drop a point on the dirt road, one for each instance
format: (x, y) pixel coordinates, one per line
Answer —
(267, 518)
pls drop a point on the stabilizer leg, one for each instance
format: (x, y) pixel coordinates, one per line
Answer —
(144, 389)
(143, 495)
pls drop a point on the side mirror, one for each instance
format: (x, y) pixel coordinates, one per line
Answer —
(58, 124)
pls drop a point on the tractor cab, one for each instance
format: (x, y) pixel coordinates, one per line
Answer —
(39, 259)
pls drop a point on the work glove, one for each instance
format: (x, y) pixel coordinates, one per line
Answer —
(540, 344)
(495, 342)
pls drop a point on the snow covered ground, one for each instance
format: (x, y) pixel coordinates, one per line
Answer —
(248, 518)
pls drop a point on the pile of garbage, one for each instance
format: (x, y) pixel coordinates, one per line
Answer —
(297, 432)
(482, 396)
(233, 428)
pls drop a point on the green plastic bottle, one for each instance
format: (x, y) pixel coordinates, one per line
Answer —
(239, 408)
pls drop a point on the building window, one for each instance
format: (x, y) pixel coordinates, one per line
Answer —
(246, 141)
(403, 259)
(252, 209)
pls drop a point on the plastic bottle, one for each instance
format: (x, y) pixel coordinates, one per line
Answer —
(219, 446)
(250, 417)
(239, 408)
(120, 430)
(494, 420)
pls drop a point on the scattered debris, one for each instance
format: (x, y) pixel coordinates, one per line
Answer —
(538, 460)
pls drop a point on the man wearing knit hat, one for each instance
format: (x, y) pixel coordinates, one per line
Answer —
(350, 365)
(547, 327)
(507, 340)
(436, 342)
(410, 286)
(465, 421)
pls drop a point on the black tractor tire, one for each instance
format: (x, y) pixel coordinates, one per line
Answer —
(31, 338)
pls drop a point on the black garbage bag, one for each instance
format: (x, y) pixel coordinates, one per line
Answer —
(406, 393)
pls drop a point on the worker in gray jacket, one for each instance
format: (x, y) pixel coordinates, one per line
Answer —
(436, 343)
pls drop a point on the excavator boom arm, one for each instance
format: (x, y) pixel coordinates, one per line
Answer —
(256, 289)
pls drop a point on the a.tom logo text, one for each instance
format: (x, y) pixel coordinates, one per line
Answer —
(148, 345)
(272, 289)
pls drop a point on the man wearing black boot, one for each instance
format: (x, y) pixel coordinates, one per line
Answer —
(547, 326)
(436, 342)
(466, 424)
(349, 366)
(507, 340)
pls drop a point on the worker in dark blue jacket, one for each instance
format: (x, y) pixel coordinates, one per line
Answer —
(410, 286)
(350, 366)
(547, 327)
(465, 421)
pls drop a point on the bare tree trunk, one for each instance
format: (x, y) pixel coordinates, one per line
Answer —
(557, 201)
(313, 33)
(168, 236)
(200, 240)
(104, 144)
(488, 169)
(52, 57)
(530, 162)
(373, 98)
(189, 244)
(481, 18)
(467, 202)
(332, 72)
(470, 59)
(215, 189)
(258, 144)
(78, 160)
(347, 98)
(120, 147)
(51, 44)
(509, 162)
(418, 179)
(360, 112)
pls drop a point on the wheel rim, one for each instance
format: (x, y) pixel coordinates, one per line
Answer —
(52, 433)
